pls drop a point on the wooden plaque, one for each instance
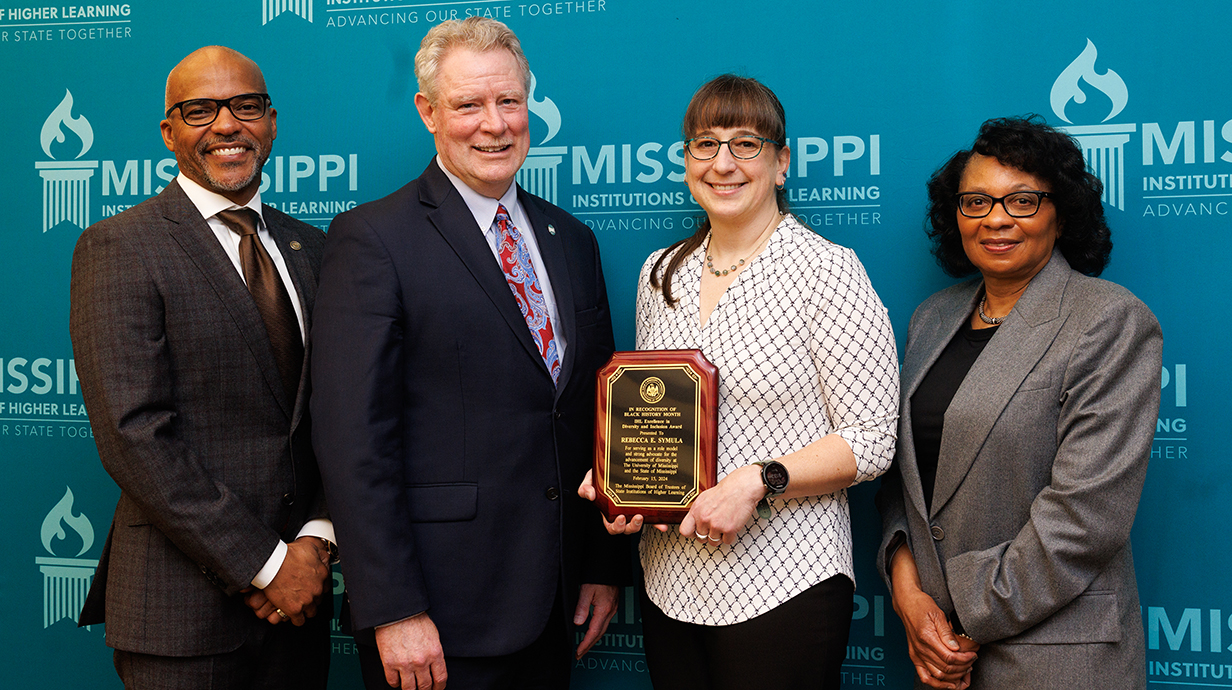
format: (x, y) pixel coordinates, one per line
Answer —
(656, 433)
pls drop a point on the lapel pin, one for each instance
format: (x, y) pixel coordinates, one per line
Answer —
(551, 229)
(296, 245)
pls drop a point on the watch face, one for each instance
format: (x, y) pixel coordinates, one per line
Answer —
(775, 476)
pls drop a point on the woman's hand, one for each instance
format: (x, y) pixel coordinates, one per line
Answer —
(620, 525)
(942, 659)
(720, 512)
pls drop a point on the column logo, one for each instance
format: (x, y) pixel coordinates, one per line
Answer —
(65, 580)
(270, 9)
(66, 184)
(1103, 145)
(538, 174)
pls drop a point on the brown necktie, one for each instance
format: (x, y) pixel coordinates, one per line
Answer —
(271, 297)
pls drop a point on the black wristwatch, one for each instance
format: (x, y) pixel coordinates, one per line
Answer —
(331, 548)
(774, 477)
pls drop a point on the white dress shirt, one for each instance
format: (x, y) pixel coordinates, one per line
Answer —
(209, 204)
(804, 348)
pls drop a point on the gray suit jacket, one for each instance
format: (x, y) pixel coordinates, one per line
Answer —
(213, 461)
(1043, 456)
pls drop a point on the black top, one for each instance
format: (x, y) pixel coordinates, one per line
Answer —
(932, 399)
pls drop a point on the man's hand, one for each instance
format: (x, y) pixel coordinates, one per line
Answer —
(297, 587)
(603, 598)
(411, 654)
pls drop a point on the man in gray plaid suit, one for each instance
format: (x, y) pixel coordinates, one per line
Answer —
(216, 567)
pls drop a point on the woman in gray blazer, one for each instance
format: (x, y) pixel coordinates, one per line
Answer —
(1029, 402)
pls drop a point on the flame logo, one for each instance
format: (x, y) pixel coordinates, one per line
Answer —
(63, 511)
(1066, 87)
(546, 110)
(63, 115)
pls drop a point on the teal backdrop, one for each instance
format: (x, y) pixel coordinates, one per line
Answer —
(878, 94)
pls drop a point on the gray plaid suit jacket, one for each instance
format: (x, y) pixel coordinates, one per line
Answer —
(1043, 457)
(213, 461)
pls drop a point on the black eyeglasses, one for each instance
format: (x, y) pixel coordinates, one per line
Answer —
(199, 112)
(1017, 205)
(744, 147)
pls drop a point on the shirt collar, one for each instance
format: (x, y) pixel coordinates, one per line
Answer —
(483, 208)
(209, 203)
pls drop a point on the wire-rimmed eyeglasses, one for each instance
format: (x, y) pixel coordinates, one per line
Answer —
(745, 147)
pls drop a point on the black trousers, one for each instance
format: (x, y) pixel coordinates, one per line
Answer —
(800, 644)
(272, 657)
(544, 665)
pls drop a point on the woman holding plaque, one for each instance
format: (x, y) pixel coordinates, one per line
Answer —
(754, 588)
(1030, 396)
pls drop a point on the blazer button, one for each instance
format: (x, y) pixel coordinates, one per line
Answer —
(552, 493)
(938, 533)
(288, 500)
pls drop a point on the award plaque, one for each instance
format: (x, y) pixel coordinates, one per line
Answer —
(656, 433)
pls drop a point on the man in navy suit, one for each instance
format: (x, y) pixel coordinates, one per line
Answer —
(458, 328)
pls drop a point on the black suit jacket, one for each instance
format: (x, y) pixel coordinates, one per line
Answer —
(214, 462)
(450, 460)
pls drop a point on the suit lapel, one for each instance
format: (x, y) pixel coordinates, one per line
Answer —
(552, 250)
(997, 374)
(304, 281)
(936, 328)
(298, 264)
(193, 234)
(453, 220)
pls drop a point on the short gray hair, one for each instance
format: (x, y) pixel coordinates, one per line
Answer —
(479, 34)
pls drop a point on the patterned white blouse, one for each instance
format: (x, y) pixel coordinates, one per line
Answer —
(804, 348)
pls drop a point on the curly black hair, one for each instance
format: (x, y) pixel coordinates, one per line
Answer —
(1030, 145)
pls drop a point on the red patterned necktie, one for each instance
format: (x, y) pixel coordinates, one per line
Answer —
(268, 291)
(520, 274)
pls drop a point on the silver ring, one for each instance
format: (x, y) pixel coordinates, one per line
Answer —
(713, 539)
(284, 616)
(700, 535)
